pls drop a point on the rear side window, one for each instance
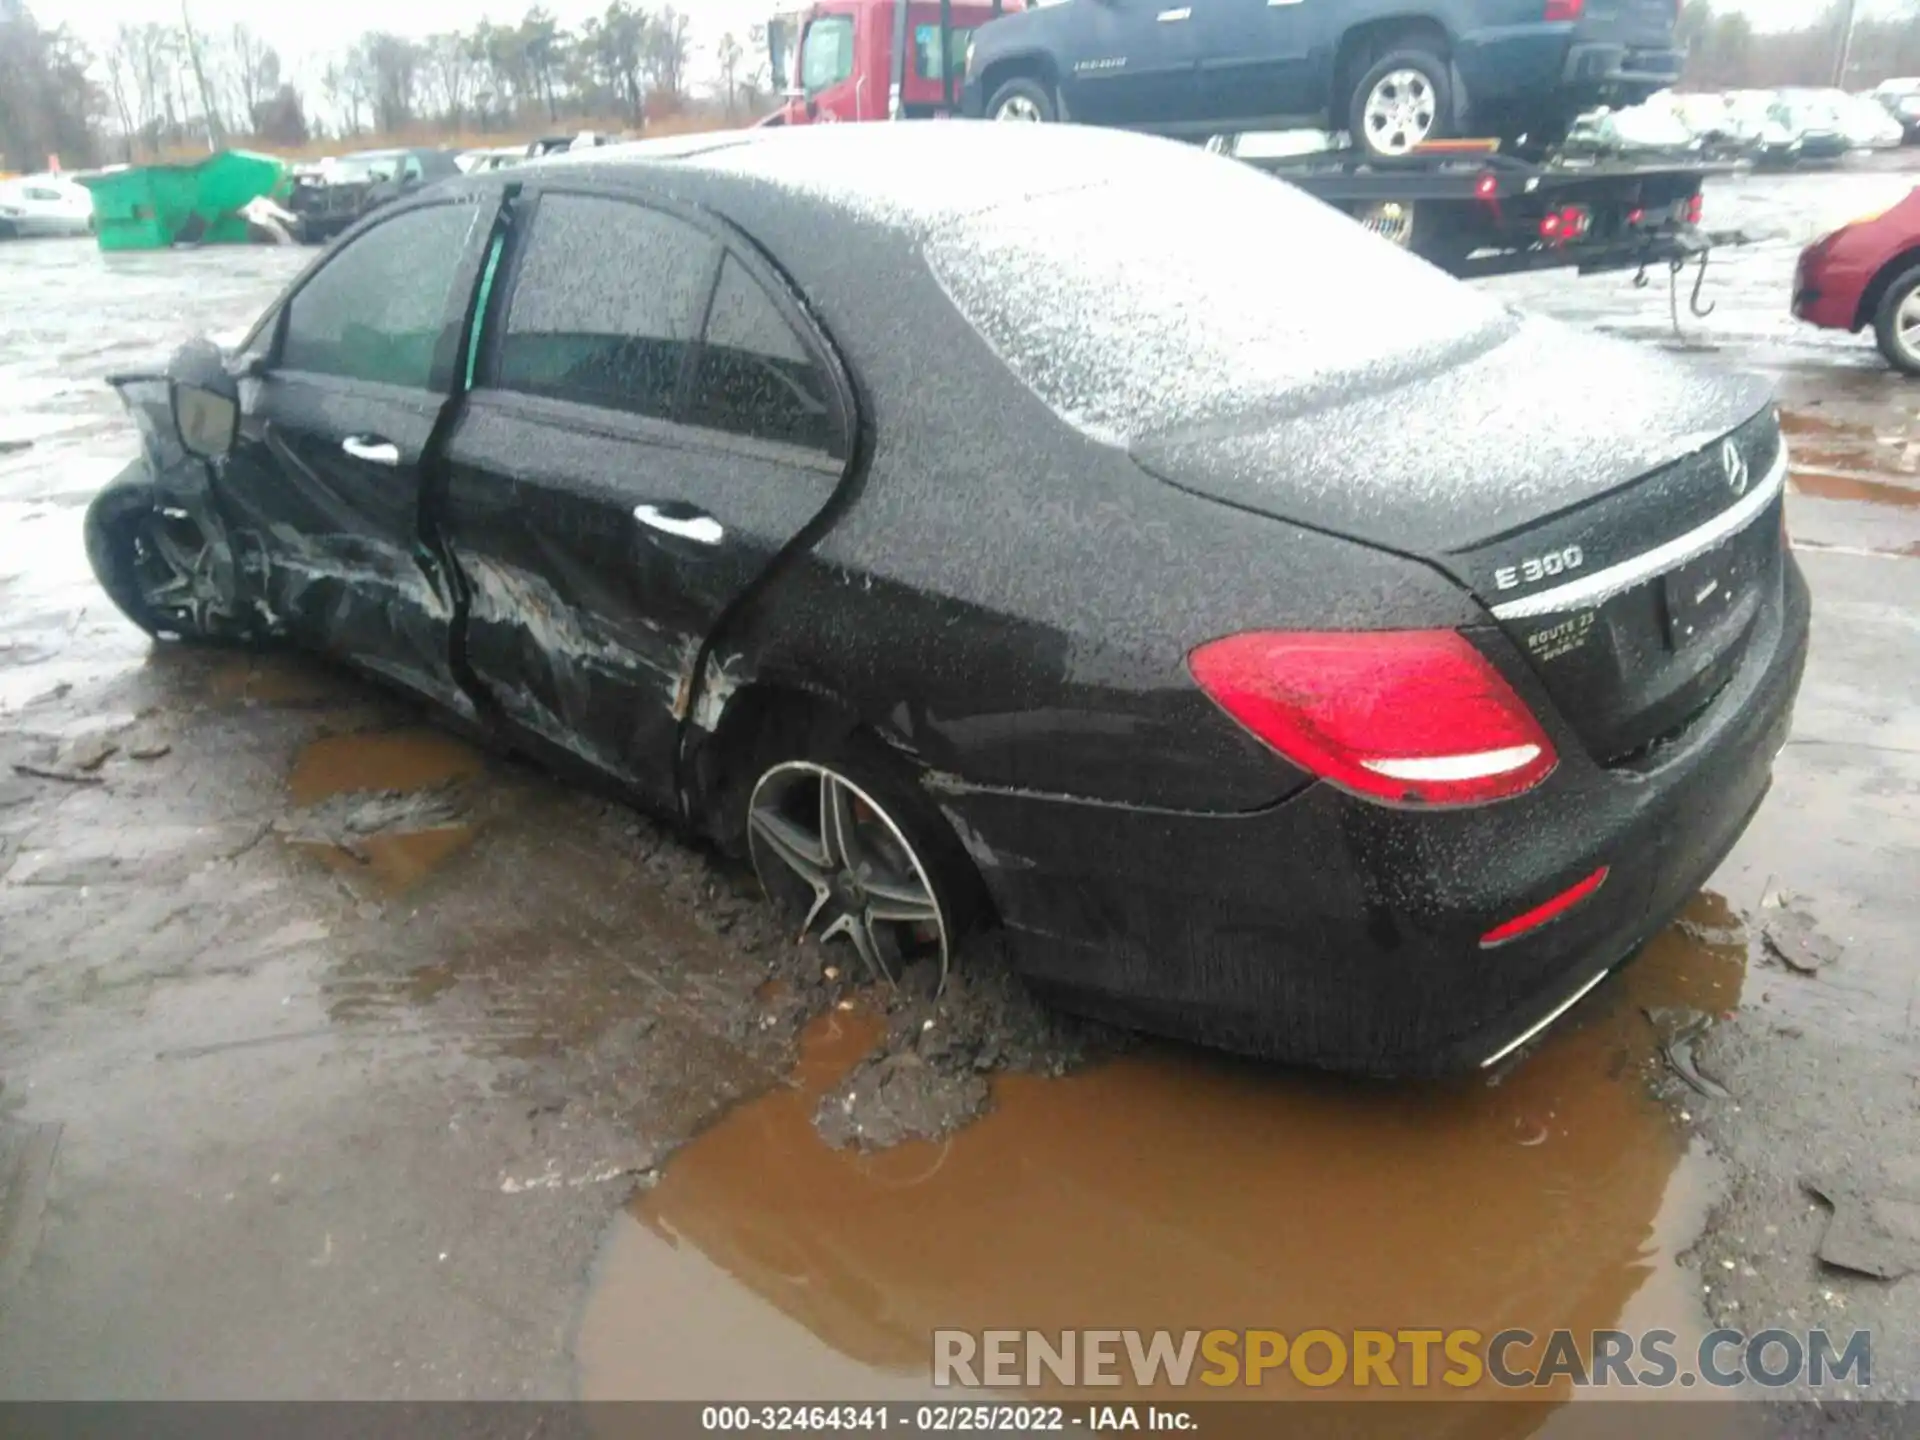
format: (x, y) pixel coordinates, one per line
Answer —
(606, 306)
(928, 63)
(378, 309)
(755, 378)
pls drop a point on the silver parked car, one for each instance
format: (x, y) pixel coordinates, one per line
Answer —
(41, 205)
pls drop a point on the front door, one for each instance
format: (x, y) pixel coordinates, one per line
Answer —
(1130, 62)
(836, 85)
(648, 430)
(324, 486)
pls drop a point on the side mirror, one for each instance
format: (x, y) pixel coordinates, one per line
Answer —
(205, 399)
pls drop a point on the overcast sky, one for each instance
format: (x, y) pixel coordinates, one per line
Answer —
(305, 34)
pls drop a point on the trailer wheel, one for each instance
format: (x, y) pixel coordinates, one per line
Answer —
(1023, 100)
(1404, 98)
(1897, 322)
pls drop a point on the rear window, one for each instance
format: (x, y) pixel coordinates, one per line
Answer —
(1230, 294)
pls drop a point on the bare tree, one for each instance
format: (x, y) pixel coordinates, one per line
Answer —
(449, 72)
(729, 54)
(119, 68)
(256, 72)
(387, 68)
(666, 49)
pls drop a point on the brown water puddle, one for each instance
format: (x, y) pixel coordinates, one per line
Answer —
(1850, 449)
(1827, 485)
(280, 680)
(394, 861)
(416, 759)
(399, 855)
(1169, 1189)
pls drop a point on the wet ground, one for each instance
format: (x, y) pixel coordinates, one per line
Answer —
(337, 1058)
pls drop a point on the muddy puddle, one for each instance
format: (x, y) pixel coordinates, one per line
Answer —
(382, 807)
(1171, 1189)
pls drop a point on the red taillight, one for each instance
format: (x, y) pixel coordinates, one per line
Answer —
(1487, 186)
(1407, 716)
(1566, 9)
(1636, 215)
(1696, 207)
(1540, 914)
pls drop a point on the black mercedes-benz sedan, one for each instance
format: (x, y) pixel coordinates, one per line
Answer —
(1288, 646)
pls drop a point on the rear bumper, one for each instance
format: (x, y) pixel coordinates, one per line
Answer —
(1620, 70)
(1329, 932)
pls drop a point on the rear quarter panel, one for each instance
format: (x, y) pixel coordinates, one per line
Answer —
(1010, 603)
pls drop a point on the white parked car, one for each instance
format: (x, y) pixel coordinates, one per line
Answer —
(1866, 123)
(1653, 128)
(1901, 99)
(36, 205)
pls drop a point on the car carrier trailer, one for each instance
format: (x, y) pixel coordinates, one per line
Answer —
(1460, 204)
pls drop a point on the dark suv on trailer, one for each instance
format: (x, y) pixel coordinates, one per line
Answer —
(1391, 73)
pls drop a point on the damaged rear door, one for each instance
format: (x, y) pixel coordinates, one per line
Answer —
(647, 430)
(325, 482)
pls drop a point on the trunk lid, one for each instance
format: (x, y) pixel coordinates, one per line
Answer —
(1581, 488)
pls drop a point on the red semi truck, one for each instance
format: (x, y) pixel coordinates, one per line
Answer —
(1461, 204)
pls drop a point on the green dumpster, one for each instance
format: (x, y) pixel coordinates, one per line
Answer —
(153, 206)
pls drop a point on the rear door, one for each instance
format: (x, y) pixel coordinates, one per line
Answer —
(325, 483)
(1254, 59)
(652, 422)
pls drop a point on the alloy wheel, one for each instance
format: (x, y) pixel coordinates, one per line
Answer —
(1399, 112)
(176, 569)
(1020, 109)
(824, 847)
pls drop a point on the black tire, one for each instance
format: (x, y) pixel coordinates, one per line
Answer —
(903, 842)
(1902, 352)
(1430, 98)
(1024, 91)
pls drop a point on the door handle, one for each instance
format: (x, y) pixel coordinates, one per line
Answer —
(701, 529)
(1168, 17)
(371, 449)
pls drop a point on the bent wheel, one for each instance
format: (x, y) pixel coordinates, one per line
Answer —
(840, 855)
(177, 575)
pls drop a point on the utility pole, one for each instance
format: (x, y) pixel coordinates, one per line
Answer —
(1846, 48)
(200, 79)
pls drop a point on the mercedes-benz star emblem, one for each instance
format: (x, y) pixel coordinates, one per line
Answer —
(1735, 464)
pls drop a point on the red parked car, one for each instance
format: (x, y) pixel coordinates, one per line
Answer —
(1868, 273)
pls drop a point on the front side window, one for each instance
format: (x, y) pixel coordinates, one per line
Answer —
(378, 310)
(755, 377)
(606, 305)
(827, 57)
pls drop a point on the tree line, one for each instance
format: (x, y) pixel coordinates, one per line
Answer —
(1725, 52)
(171, 86)
(162, 88)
